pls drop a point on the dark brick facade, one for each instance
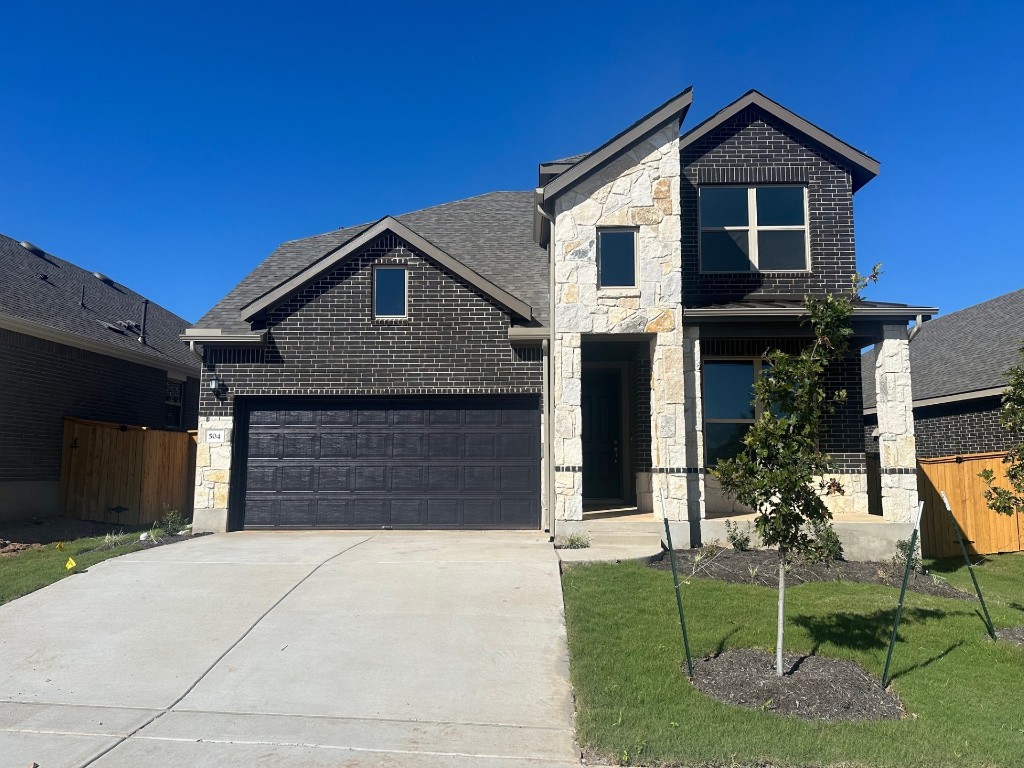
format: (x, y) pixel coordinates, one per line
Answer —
(754, 148)
(42, 381)
(842, 435)
(970, 426)
(324, 340)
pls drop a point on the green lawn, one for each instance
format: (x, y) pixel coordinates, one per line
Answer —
(1001, 577)
(36, 568)
(963, 691)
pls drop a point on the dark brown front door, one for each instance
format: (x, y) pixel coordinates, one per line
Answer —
(603, 452)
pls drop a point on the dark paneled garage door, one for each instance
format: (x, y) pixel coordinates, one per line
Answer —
(425, 463)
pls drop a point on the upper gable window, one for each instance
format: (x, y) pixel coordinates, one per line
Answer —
(390, 291)
(744, 229)
(616, 258)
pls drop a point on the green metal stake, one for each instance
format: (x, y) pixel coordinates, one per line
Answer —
(970, 567)
(903, 595)
(675, 582)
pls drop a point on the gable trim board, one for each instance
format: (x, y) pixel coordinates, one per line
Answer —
(864, 169)
(30, 328)
(350, 248)
(980, 394)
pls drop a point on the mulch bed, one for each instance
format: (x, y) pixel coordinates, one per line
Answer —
(762, 567)
(1013, 635)
(813, 688)
(16, 537)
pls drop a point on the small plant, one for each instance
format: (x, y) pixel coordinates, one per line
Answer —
(738, 539)
(112, 540)
(753, 570)
(575, 540)
(825, 546)
(904, 552)
(704, 556)
(172, 520)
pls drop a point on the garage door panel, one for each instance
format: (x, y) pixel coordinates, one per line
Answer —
(408, 479)
(333, 512)
(335, 478)
(338, 445)
(298, 512)
(480, 513)
(371, 478)
(299, 445)
(409, 446)
(440, 462)
(445, 446)
(297, 478)
(480, 479)
(368, 512)
(481, 446)
(261, 478)
(265, 446)
(443, 513)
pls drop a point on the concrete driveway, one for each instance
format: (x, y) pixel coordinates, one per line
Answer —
(294, 649)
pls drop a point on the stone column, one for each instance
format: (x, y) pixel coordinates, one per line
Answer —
(693, 411)
(568, 427)
(896, 445)
(213, 475)
(668, 425)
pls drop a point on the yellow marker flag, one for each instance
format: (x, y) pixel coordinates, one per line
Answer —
(70, 564)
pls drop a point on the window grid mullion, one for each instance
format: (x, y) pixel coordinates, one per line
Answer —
(752, 220)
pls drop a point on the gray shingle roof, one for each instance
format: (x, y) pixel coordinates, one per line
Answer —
(963, 351)
(56, 303)
(491, 234)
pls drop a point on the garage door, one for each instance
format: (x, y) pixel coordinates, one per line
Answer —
(389, 463)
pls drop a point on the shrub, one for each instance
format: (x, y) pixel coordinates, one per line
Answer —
(575, 540)
(739, 540)
(172, 521)
(825, 546)
(904, 552)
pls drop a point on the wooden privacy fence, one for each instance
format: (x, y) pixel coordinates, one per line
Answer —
(985, 531)
(130, 475)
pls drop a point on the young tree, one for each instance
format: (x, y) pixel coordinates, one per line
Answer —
(778, 472)
(1008, 501)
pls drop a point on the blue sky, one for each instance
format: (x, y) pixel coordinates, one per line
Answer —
(173, 146)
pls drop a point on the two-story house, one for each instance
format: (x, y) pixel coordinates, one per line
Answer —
(513, 359)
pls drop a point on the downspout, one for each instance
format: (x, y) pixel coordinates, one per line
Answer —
(549, 369)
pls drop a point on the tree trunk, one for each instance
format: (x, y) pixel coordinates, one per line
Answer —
(782, 612)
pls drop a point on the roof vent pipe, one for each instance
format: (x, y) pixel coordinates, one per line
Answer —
(102, 278)
(32, 248)
(145, 312)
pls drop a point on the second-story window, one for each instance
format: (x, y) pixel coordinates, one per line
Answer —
(389, 292)
(745, 229)
(616, 258)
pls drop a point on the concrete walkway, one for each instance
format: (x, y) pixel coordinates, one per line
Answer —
(294, 649)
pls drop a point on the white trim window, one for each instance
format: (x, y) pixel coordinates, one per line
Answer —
(390, 292)
(729, 407)
(616, 258)
(754, 229)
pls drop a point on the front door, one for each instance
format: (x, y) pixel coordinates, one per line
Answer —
(603, 453)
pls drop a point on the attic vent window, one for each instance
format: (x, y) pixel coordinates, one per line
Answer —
(102, 278)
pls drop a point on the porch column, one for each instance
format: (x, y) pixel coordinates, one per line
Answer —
(693, 410)
(896, 445)
(668, 423)
(567, 448)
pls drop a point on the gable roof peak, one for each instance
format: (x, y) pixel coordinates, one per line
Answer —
(863, 167)
(364, 238)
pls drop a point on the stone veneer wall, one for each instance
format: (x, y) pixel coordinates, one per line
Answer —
(638, 190)
(896, 444)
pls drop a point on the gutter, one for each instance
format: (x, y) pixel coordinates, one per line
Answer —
(193, 336)
(29, 328)
(747, 313)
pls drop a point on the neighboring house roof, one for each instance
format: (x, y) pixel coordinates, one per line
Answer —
(491, 234)
(42, 295)
(863, 167)
(363, 240)
(962, 355)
